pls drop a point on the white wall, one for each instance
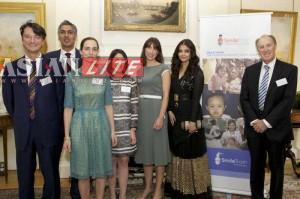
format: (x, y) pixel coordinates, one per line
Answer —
(279, 5)
(88, 15)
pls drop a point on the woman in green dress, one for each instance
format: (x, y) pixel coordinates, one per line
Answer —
(152, 135)
(89, 125)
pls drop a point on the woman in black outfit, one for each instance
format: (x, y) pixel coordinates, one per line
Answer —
(190, 174)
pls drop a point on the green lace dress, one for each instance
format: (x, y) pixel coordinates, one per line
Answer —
(90, 132)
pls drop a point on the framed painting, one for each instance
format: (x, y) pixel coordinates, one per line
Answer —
(12, 16)
(283, 27)
(3, 61)
(144, 15)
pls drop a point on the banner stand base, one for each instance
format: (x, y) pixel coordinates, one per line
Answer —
(229, 192)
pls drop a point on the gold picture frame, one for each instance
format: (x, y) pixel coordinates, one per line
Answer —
(158, 15)
(284, 28)
(12, 16)
(3, 61)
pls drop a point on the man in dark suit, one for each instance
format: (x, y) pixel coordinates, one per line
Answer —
(67, 59)
(33, 99)
(267, 95)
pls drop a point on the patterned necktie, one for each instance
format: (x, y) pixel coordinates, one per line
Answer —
(68, 62)
(32, 86)
(263, 88)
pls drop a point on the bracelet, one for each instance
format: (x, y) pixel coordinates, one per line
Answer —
(67, 138)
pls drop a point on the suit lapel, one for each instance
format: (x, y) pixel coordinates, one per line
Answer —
(275, 76)
(56, 63)
(78, 61)
(57, 55)
(77, 53)
(59, 62)
(256, 80)
(42, 72)
(21, 73)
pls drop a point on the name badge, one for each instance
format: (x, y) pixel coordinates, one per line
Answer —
(46, 80)
(97, 81)
(125, 89)
(281, 82)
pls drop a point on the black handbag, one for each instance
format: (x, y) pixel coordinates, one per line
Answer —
(187, 145)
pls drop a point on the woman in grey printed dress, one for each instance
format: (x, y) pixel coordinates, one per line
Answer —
(152, 134)
(125, 106)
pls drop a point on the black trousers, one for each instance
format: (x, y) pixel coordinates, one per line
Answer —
(260, 148)
(74, 190)
(49, 165)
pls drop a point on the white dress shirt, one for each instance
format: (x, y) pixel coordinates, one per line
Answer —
(63, 58)
(262, 72)
(29, 65)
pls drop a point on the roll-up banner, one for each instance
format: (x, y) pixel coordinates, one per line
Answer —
(227, 47)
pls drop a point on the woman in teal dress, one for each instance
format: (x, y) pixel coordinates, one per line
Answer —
(89, 125)
(152, 134)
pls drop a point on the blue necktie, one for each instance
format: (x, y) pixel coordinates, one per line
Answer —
(263, 88)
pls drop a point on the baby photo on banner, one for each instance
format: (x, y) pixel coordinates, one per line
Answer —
(225, 52)
(223, 119)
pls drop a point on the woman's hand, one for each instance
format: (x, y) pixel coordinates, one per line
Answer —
(114, 139)
(158, 124)
(172, 117)
(67, 144)
(132, 136)
(192, 127)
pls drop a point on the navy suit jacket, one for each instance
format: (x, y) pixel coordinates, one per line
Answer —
(47, 127)
(53, 58)
(55, 55)
(278, 102)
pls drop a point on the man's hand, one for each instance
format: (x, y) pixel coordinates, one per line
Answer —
(259, 126)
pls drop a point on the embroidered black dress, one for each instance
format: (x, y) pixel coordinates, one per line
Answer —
(190, 173)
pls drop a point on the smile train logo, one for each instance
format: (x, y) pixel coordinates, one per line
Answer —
(218, 158)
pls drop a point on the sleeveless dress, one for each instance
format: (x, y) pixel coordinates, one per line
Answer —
(153, 145)
(90, 132)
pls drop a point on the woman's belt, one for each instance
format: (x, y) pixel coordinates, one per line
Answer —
(151, 96)
(185, 98)
(182, 97)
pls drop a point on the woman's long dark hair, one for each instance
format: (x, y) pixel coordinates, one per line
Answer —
(193, 66)
(156, 45)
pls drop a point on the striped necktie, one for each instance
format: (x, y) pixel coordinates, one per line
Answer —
(263, 88)
(32, 89)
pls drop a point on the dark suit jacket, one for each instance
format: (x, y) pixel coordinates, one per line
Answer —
(56, 54)
(53, 58)
(278, 102)
(47, 126)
